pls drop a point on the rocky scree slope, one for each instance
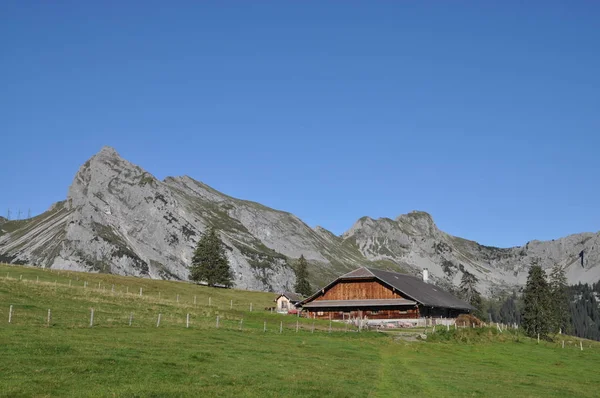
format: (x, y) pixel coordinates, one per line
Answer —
(120, 219)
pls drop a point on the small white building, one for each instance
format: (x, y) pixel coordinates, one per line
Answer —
(287, 301)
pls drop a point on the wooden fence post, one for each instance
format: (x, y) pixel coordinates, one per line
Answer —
(177, 299)
(538, 339)
(140, 291)
(264, 326)
(10, 312)
(92, 317)
(250, 307)
(231, 305)
(130, 318)
(70, 282)
(20, 277)
(187, 321)
(158, 320)
(209, 301)
(49, 317)
(194, 301)
(112, 290)
(217, 321)
(580, 345)
(281, 327)
(297, 326)
(563, 344)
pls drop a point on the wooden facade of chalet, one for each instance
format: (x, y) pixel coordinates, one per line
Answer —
(376, 294)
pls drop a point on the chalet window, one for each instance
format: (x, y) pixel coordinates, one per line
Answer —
(375, 312)
(320, 313)
(402, 312)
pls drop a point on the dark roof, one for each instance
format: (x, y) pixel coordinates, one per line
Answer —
(424, 293)
(291, 296)
(358, 303)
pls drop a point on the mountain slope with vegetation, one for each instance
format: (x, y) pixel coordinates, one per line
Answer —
(120, 219)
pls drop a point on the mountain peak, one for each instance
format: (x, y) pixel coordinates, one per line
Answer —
(108, 151)
(420, 220)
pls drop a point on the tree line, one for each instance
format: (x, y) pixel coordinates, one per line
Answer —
(546, 305)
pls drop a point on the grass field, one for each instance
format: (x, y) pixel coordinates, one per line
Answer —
(69, 358)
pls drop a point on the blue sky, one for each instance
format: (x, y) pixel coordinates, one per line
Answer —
(484, 114)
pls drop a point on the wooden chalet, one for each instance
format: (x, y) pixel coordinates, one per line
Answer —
(382, 295)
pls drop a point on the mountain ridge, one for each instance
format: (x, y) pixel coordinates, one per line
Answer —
(121, 219)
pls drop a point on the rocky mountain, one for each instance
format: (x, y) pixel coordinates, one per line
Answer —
(414, 239)
(120, 219)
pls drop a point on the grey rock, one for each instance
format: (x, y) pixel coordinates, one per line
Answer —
(120, 219)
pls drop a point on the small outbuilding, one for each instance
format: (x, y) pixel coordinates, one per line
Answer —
(287, 301)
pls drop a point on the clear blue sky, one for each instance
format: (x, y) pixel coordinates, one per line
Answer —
(485, 115)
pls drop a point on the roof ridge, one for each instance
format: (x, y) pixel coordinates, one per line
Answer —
(356, 270)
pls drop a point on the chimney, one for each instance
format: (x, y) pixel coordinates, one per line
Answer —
(425, 275)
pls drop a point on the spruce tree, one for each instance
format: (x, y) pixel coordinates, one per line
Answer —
(467, 287)
(209, 262)
(537, 315)
(302, 285)
(559, 300)
(468, 292)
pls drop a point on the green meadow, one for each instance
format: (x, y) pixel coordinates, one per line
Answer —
(64, 357)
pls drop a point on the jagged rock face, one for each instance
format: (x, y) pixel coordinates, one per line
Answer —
(118, 218)
(414, 239)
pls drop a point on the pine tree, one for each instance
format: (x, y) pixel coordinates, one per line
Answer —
(302, 285)
(536, 316)
(467, 286)
(209, 262)
(559, 300)
(468, 292)
(509, 312)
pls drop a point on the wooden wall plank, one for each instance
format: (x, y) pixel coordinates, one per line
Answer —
(359, 290)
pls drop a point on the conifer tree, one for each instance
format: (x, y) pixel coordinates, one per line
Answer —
(302, 285)
(468, 292)
(209, 262)
(559, 300)
(537, 315)
(467, 287)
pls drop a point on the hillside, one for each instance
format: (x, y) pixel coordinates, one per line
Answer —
(68, 358)
(119, 219)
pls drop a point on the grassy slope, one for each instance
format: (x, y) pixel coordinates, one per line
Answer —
(112, 359)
